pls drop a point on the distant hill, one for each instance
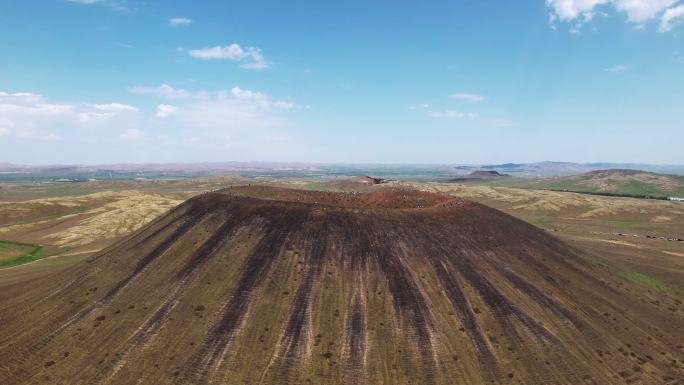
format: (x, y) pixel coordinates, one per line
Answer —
(486, 174)
(633, 182)
(478, 175)
(615, 181)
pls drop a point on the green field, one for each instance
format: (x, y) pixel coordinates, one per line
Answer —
(654, 283)
(17, 253)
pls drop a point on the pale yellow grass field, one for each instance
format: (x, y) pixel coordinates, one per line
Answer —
(107, 215)
(542, 201)
(129, 212)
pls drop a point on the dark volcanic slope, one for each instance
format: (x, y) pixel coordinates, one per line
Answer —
(269, 286)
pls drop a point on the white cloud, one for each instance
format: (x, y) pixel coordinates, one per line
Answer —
(258, 98)
(28, 115)
(179, 21)
(235, 94)
(565, 10)
(165, 110)
(454, 114)
(237, 117)
(239, 93)
(114, 107)
(639, 11)
(617, 68)
(248, 120)
(470, 116)
(225, 113)
(23, 97)
(231, 52)
(132, 134)
(469, 97)
(671, 17)
(583, 11)
(250, 57)
(418, 106)
(167, 92)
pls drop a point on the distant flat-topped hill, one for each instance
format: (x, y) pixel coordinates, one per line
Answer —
(259, 285)
(479, 175)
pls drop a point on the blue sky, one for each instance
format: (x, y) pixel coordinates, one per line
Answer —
(104, 81)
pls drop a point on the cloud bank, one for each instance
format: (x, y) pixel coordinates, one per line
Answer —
(580, 12)
(199, 119)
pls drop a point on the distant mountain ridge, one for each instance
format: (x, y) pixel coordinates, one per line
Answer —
(298, 169)
(549, 168)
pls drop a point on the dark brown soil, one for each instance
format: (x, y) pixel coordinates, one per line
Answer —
(258, 285)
